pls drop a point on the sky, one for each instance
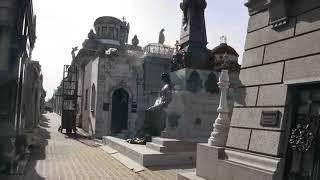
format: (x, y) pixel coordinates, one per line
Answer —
(63, 24)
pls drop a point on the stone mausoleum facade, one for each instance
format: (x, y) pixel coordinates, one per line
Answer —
(117, 80)
(274, 133)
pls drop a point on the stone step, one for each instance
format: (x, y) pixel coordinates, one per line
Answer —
(180, 147)
(167, 142)
(149, 157)
(155, 147)
(189, 176)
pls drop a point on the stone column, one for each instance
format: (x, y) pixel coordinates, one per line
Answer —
(221, 126)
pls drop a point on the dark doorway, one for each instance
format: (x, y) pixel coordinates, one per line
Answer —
(119, 111)
(303, 157)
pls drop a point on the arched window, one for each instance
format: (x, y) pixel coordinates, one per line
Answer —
(93, 99)
(211, 84)
(194, 83)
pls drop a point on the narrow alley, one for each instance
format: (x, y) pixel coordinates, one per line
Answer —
(60, 157)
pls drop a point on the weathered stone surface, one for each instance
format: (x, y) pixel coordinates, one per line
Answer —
(268, 35)
(258, 21)
(250, 118)
(267, 74)
(303, 69)
(265, 142)
(291, 48)
(238, 138)
(215, 163)
(248, 98)
(308, 21)
(298, 6)
(273, 95)
(252, 57)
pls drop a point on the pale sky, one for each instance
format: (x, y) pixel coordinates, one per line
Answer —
(63, 24)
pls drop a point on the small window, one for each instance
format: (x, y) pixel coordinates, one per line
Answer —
(211, 84)
(86, 100)
(93, 98)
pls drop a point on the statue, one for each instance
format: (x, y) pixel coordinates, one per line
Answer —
(73, 52)
(177, 45)
(165, 94)
(184, 7)
(135, 40)
(161, 37)
(91, 34)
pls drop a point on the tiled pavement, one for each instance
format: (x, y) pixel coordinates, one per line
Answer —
(60, 157)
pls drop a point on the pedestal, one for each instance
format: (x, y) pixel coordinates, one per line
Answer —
(215, 163)
(192, 110)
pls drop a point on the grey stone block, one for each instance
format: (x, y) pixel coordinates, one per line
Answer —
(273, 95)
(246, 96)
(291, 48)
(258, 21)
(251, 117)
(252, 57)
(267, 74)
(238, 138)
(265, 142)
(268, 35)
(308, 21)
(298, 6)
(303, 69)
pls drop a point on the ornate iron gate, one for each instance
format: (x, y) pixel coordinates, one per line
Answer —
(303, 161)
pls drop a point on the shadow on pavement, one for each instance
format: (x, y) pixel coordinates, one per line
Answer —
(42, 135)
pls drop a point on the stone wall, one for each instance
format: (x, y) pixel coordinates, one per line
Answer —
(117, 72)
(274, 59)
(90, 80)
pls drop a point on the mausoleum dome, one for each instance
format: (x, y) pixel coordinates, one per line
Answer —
(107, 20)
(224, 48)
(158, 50)
(109, 29)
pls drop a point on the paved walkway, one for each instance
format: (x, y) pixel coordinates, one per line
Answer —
(60, 157)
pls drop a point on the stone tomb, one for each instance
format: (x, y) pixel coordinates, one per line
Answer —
(190, 116)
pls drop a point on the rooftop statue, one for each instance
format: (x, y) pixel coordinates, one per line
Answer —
(184, 7)
(74, 49)
(135, 40)
(161, 37)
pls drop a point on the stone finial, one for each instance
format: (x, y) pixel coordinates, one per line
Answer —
(221, 126)
(223, 39)
(161, 37)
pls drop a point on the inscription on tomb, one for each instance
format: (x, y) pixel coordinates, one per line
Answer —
(269, 118)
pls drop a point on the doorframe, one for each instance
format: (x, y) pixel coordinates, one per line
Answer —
(109, 95)
(290, 108)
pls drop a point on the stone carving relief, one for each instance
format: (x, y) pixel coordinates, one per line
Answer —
(180, 60)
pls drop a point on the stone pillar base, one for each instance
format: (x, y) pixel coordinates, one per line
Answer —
(214, 163)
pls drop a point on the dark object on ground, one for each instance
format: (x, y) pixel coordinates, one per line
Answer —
(141, 141)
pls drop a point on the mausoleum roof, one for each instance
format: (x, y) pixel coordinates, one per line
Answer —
(107, 20)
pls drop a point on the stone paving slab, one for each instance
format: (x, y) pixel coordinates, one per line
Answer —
(62, 157)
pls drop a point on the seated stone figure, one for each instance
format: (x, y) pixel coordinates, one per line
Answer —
(164, 98)
(165, 95)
